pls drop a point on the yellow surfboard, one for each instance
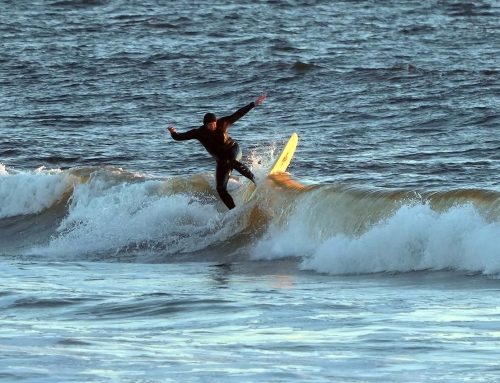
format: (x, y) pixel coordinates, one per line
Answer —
(279, 166)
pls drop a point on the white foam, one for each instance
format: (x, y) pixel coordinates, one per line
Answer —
(293, 238)
(3, 170)
(30, 192)
(104, 218)
(414, 238)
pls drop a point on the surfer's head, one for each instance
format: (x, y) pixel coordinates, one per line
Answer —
(210, 121)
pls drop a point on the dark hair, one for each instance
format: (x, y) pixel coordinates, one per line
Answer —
(208, 118)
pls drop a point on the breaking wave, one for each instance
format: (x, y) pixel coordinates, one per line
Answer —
(104, 213)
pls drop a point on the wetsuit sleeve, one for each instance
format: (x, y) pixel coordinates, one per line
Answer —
(189, 135)
(238, 114)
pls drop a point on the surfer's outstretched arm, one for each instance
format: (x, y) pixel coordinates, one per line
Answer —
(189, 135)
(242, 111)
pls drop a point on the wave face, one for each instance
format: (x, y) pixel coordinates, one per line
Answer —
(345, 232)
(31, 192)
(108, 214)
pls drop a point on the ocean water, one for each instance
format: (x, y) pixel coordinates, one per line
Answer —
(375, 259)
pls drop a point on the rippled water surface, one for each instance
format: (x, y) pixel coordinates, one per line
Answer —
(391, 93)
(202, 322)
(375, 260)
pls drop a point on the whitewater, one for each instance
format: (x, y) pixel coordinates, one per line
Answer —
(329, 228)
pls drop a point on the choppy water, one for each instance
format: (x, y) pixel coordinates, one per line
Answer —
(377, 259)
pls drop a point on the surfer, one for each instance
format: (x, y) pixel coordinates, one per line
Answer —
(226, 151)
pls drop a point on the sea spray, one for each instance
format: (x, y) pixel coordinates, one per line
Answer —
(399, 235)
(30, 192)
(130, 216)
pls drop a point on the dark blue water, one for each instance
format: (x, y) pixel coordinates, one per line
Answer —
(388, 94)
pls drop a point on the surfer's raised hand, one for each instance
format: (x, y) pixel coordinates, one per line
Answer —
(260, 100)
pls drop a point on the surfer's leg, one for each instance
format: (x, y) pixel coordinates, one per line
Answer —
(240, 167)
(222, 173)
(243, 170)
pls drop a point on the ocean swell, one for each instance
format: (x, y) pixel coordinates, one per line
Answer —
(110, 214)
(383, 233)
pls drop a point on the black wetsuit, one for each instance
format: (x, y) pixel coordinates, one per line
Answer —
(223, 148)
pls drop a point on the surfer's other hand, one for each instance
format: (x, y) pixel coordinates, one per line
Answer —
(260, 100)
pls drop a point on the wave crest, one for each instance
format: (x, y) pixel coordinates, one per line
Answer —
(112, 214)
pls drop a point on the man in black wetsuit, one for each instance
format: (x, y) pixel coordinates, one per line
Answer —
(214, 137)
